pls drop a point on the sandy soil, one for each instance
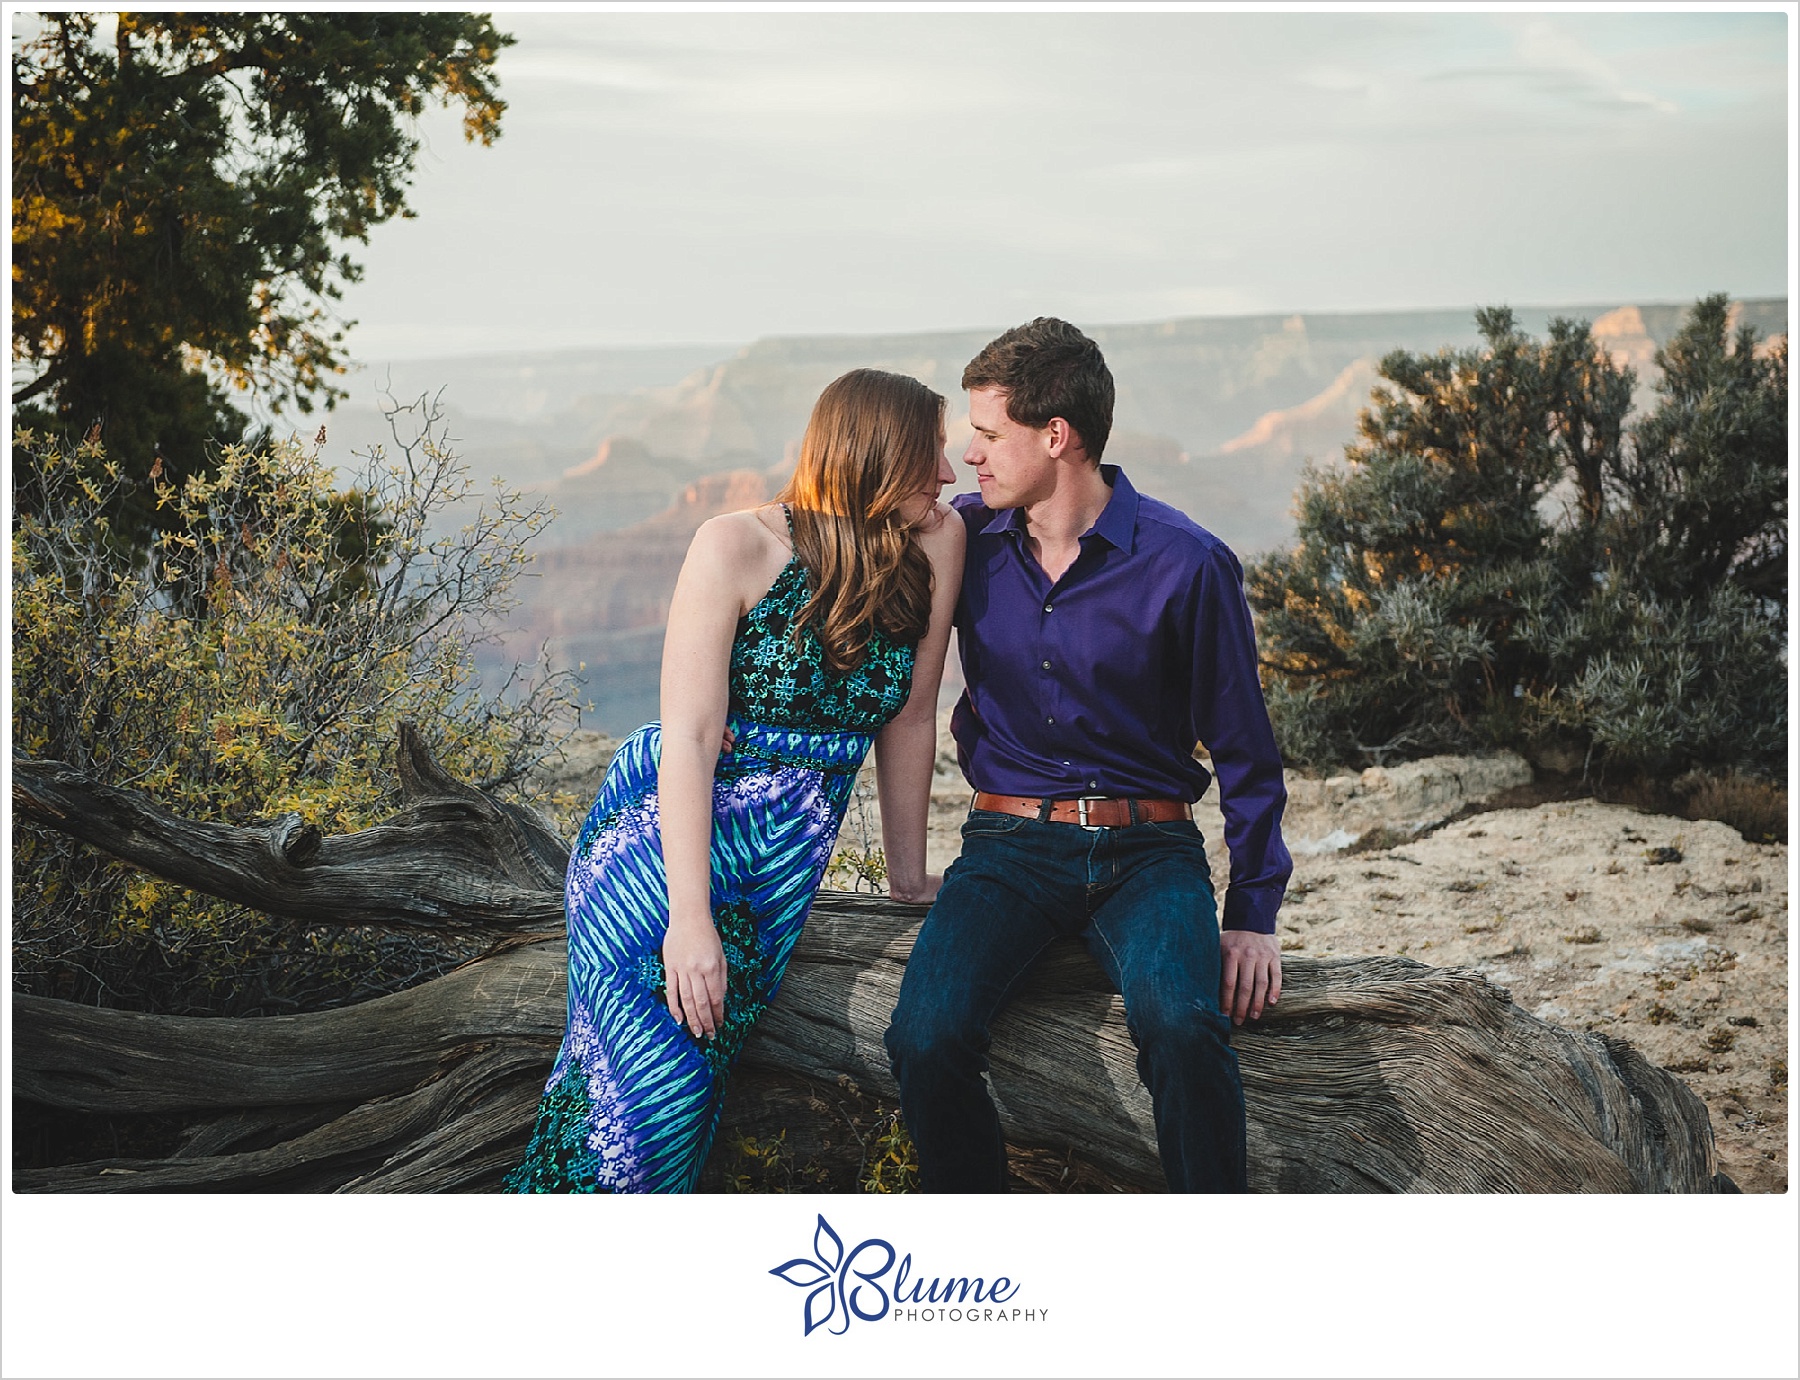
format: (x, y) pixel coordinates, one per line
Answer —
(1668, 933)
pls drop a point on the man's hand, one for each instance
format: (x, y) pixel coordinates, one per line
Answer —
(1250, 974)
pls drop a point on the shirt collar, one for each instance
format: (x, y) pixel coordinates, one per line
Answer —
(1118, 519)
(1117, 522)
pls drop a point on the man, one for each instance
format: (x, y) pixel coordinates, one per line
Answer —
(1103, 636)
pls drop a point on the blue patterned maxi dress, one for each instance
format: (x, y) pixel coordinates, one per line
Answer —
(633, 1100)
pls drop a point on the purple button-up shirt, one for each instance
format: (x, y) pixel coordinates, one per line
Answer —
(1102, 683)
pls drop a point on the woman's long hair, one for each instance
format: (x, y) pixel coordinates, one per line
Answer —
(872, 443)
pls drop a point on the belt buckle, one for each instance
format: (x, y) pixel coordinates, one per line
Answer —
(1081, 812)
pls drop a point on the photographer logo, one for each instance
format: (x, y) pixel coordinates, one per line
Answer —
(871, 1281)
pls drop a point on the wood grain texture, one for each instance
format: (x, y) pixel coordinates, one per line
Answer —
(453, 859)
(1372, 1075)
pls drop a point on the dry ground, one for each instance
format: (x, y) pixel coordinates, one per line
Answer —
(1668, 933)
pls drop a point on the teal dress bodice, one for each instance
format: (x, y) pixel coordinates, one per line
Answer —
(783, 681)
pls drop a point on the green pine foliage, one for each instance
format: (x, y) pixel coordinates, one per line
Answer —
(1507, 558)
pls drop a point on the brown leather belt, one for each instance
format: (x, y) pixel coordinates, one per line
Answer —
(1089, 811)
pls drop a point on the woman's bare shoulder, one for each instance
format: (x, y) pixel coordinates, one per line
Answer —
(746, 536)
(740, 553)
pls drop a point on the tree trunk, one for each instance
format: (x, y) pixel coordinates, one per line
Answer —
(1373, 1074)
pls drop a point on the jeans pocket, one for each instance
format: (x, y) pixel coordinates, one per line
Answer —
(991, 823)
(1183, 829)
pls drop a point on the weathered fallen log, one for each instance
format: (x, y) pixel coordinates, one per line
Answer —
(453, 858)
(437, 1092)
(1372, 1074)
(1375, 1074)
(86, 1059)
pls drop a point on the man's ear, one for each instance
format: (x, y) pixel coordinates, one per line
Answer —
(1063, 439)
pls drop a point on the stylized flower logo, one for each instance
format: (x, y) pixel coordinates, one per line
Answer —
(820, 1276)
(826, 1275)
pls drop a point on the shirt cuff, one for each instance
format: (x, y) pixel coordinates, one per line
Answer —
(1251, 909)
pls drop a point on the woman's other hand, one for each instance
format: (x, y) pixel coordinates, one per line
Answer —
(921, 893)
(694, 972)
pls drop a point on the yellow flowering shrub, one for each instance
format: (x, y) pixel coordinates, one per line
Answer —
(257, 660)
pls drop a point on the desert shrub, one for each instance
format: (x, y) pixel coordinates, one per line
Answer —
(1756, 809)
(766, 1164)
(892, 1165)
(1658, 687)
(1505, 560)
(258, 662)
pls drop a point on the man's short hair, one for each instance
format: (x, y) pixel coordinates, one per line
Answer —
(1047, 368)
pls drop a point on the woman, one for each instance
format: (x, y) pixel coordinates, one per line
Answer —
(800, 634)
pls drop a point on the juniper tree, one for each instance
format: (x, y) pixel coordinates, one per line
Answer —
(1674, 655)
(1700, 499)
(1390, 626)
(1502, 558)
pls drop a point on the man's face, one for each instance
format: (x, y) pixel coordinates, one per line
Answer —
(1012, 461)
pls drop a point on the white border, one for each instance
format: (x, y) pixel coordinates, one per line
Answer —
(287, 1285)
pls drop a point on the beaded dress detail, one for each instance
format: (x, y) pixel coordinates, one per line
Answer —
(633, 1100)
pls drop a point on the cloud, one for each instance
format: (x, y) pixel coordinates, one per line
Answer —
(1566, 66)
(723, 175)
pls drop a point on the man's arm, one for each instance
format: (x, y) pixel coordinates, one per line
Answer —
(1234, 724)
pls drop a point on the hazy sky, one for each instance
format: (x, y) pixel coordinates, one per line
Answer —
(698, 176)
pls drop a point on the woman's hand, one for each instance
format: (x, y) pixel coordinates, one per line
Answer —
(694, 973)
(915, 893)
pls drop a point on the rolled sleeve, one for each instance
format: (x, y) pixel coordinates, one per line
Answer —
(1233, 723)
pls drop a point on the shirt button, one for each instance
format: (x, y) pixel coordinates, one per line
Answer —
(1046, 666)
(1093, 785)
(1048, 607)
(1049, 721)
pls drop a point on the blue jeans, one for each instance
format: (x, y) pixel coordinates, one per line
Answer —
(1141, 899)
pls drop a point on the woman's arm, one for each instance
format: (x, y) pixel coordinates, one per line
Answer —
(709, 596)
(906, 750)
